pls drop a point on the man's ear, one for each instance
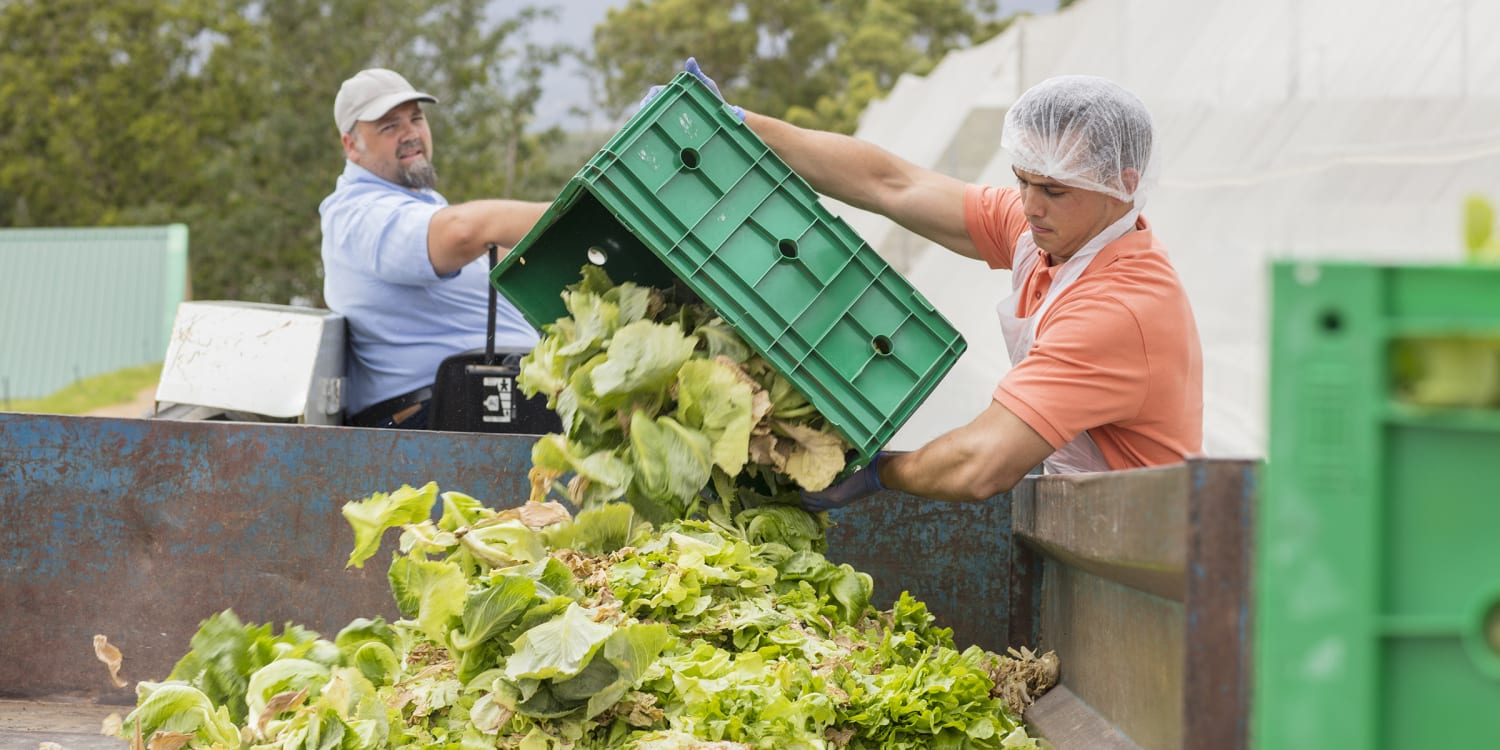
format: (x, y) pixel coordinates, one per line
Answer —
(351, 146)
(1131, 178)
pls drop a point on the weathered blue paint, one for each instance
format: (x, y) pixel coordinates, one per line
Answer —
(958, 558)
(140, 529)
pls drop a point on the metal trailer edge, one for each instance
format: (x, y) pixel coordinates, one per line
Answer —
(139, 529)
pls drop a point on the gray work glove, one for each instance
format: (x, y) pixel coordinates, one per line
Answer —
(858, 486)
(692, 67)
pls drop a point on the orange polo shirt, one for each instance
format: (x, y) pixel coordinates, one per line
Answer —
(1117, 354)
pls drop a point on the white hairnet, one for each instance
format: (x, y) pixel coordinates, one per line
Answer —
(1085, 132)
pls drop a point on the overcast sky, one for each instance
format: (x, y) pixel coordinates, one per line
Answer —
(565, 86)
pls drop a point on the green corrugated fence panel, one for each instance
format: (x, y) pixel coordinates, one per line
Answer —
(80, 302)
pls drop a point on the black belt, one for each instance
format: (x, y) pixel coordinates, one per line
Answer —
(377, 413)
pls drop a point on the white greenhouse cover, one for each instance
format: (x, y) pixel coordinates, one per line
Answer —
(1314, 129)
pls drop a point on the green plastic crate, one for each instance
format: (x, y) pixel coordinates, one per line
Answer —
(1377, 589)
(684, 192)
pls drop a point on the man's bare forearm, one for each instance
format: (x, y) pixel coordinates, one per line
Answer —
(458, 234)
(871, 178)
(982, 459)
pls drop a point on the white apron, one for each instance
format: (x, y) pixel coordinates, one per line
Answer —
(1081, 454)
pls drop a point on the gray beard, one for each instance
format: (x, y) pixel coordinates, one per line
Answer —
(419, 176)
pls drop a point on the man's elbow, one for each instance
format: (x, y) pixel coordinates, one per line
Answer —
(996, 483)
(458, 227)
(451, 240)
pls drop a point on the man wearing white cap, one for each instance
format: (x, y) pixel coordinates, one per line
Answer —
(404, 268)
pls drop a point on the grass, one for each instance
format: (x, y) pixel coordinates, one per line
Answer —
(108, 389)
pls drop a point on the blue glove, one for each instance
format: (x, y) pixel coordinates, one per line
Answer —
(858, 486)
(692, 67)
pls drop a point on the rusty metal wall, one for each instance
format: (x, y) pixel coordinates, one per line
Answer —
(958, 558)
(140, 529)
(1145, 598)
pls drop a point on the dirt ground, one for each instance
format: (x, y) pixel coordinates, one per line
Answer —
(139, 406)
(26, 725)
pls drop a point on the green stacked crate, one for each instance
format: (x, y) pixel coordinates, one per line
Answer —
(684, 192)
(1378, 542)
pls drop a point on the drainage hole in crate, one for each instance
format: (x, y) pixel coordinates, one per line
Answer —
(882, 345)
(1331, 321)
(599, 254)
(690, 158)
(788, 249)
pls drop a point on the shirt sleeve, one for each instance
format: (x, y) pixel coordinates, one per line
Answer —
(995, 220)
(388, 236)
(1087, 368)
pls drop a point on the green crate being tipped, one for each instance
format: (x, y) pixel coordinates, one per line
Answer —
(685, 192)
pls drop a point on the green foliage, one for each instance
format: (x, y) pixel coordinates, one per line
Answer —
(816, 63)
(101, 100)
(217, 114)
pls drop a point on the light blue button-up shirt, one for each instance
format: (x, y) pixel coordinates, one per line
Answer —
(404, 318)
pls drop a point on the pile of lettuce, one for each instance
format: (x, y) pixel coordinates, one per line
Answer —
(532, 629)
(663, 404)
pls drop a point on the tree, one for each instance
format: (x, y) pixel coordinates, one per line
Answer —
(816, 63)
(100, 103)
(218, 113)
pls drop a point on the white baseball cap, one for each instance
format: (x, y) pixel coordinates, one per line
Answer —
(370, 94)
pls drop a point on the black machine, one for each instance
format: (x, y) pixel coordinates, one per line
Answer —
(476, 391)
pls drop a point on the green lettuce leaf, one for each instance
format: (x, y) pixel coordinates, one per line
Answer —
(503, 543)
(544, 369)
(491, 609)
(372, 516)
(605, 475)
(816, 456)
(559, 648)
(598, 529)
(720, 340)
(460, 510)
(672, 465)
(282, 676)
(781, 523)
(713, 399)
(177, 707)
(595, 321)
(643, 357)
(377, 662)
(631, 650)
(225, 652)
(432, 591)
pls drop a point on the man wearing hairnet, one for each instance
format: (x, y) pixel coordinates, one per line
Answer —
(1107, 366)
